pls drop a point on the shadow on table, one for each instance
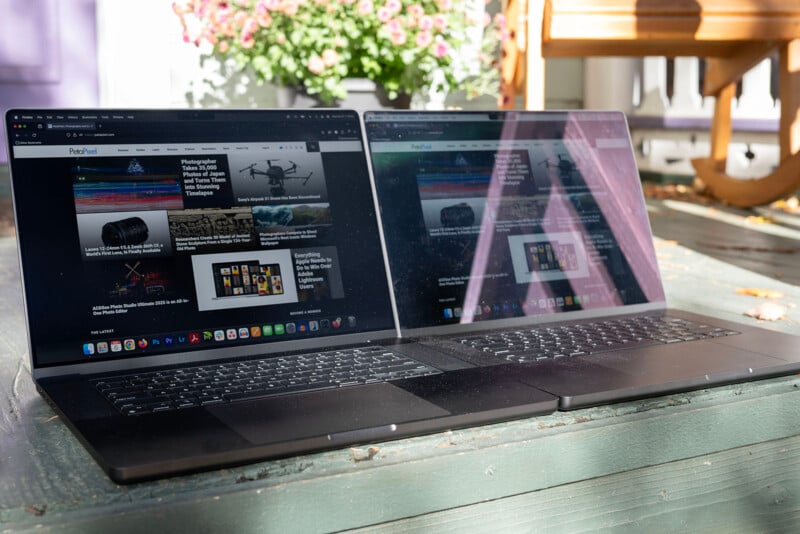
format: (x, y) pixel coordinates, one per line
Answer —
(759, 245)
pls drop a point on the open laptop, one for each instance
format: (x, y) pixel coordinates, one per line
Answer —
(523, 237)
(205, 288)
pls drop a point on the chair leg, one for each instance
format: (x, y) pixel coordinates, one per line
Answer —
(782, 182)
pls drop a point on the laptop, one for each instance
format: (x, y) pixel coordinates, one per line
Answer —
(207, 288)
(522, 238)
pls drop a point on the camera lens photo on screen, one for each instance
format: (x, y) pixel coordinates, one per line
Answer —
(130, 231)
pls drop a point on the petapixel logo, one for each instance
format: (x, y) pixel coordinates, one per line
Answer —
(85, 151)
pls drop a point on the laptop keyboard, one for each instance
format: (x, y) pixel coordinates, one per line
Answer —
(548, 342)
(173, 389)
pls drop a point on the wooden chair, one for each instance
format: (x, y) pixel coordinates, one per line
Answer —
(733, 36)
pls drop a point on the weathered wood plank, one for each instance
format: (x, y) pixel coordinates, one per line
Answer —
(331, 491)
(707, 244)
(748, 489)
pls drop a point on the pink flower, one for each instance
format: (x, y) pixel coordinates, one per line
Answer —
(281, 38)
(264, 20)
(500, 21)
(415, 10)
(384, 14)
(394, 26)
(394, 6)
(222, 16)
(445, 5)
(227, 29)
(250, 26)
(211, 37)
(223, 47)
(240, 18)
(181, 8)
(399, 38)
(272, 5)
(316, 65)
(290, 8)
(365, 7)
(247, 41)
(330, 57)
(441, 50)
(440, 22)
(423, 39)
(426, 23)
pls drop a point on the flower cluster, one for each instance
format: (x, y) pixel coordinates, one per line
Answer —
(315, 44)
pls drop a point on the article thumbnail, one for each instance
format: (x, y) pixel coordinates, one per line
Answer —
(548, 257)
(118, 287)
(134, 234)
(273, 176)
(454, 174)
(449, 217)
(247, 278)
(211, 229)
(243, 279)
(472, 174)
(290, 225)
(125, 184)
(559, 164)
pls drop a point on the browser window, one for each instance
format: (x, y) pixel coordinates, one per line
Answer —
(187, 230)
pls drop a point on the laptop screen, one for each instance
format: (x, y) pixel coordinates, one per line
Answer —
(510, 214)
(149, 232)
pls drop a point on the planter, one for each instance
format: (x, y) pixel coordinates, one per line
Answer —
(362, 95)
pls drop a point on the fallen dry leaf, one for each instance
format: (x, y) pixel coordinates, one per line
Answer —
(676, 192)
(36, 509)
(759, 219)
(760, 292)
(769, 311)
(666, 243)
(789, 205)
(361, 455)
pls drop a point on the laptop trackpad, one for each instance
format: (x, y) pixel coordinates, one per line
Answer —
(663, 363)
(325, 412)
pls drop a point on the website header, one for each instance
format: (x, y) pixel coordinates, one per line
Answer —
(89, 150)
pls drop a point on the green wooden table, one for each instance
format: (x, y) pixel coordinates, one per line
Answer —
(722, 459)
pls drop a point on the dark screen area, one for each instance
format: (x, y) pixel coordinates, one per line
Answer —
(497, 215)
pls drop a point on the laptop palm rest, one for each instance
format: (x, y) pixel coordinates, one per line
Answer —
(326, 412)
(601, 378)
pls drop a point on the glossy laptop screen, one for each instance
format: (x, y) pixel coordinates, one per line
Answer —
(152, 232)
(499, 215)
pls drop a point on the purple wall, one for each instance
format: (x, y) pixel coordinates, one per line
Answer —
(48, 56)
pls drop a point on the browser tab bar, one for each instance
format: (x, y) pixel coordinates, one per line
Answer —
(72, 125)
